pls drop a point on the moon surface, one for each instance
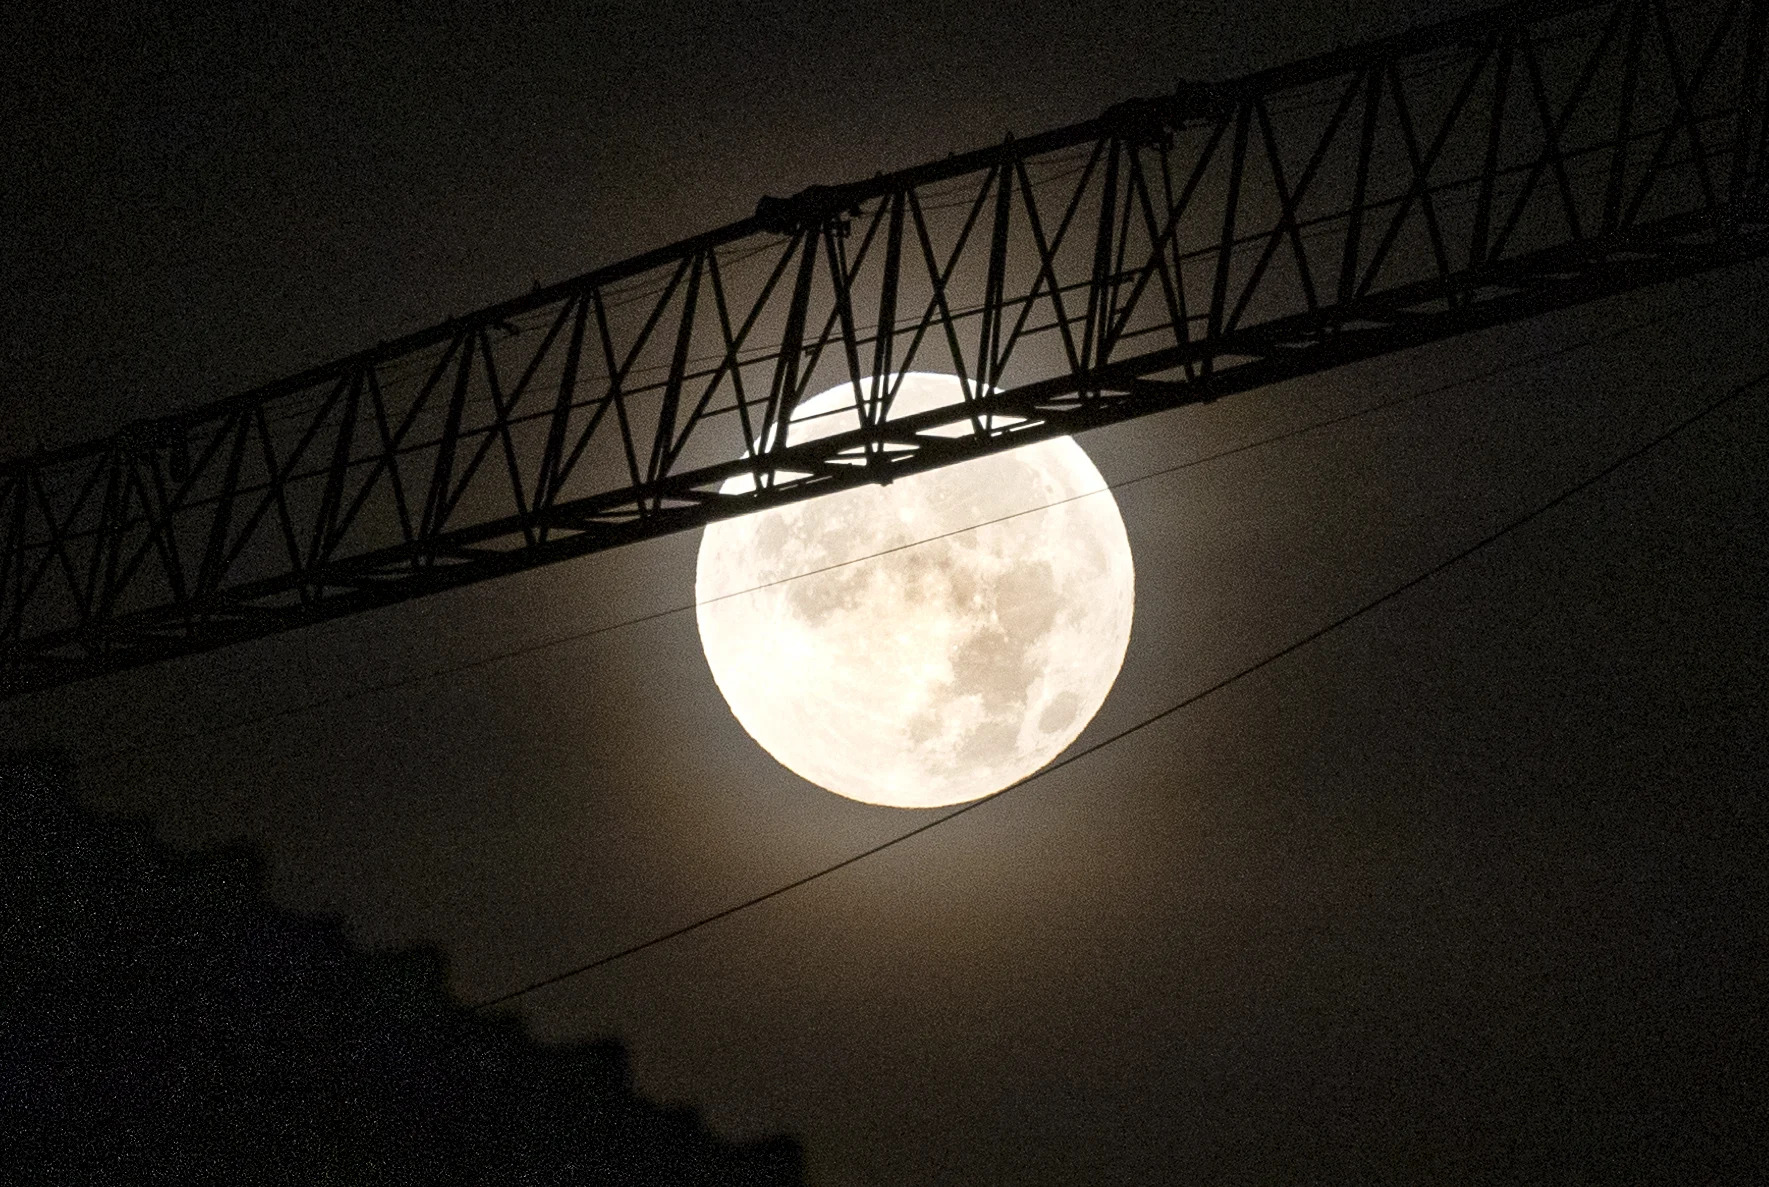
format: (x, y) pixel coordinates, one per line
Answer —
(926, 642)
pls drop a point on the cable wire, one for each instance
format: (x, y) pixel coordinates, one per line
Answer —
(101, 756)
(1074, 756)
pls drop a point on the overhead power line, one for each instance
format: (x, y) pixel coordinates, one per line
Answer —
(95, 757)
(1075, 756)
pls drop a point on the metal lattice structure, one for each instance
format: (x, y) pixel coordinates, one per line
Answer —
(1173, 250)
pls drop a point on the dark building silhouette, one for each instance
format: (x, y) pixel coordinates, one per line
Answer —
(165, 1023)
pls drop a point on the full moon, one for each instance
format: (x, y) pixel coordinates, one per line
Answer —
(926, 642)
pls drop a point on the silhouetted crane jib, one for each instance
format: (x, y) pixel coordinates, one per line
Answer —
(1174, 249)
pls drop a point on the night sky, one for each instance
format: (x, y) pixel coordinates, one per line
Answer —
(1472, 888)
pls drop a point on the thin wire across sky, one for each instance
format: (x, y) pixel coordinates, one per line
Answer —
(1080, 753)
(1524, 363)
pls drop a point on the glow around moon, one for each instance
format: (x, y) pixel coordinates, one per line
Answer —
(930, 641)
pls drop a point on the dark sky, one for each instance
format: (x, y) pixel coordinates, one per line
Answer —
(1471, 888)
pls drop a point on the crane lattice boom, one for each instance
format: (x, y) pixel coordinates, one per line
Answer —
(1172, 250)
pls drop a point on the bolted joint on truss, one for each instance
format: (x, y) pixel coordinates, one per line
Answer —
(811, 208)
(1142, 121)
(1153, 120)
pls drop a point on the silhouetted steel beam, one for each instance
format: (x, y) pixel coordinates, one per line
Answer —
(1175, 249)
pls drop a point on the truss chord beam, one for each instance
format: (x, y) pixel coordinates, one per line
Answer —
(1174, 250)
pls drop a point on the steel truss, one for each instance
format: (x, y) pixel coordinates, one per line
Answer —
(1173, 250)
